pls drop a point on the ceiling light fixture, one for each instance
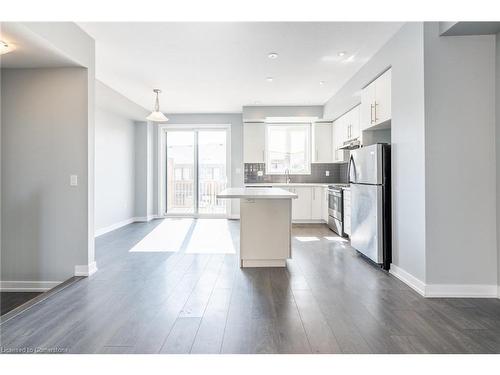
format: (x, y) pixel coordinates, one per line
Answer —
(4, 47)
(321, 83)
(156, 115)
(269, 79)
(341, 53)
(273, 55)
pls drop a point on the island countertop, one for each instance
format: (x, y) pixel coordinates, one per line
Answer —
(256, 193)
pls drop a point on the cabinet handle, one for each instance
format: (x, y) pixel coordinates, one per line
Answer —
(314, 194)
(371, 113)
(375, 108)
(264, 156)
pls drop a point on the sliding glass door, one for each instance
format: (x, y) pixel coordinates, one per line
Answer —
(181, 172)
(197, 170)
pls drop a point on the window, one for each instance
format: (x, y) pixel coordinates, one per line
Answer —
(288, 148)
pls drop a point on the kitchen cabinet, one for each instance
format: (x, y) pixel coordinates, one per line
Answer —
(345, 128)
(322, 142)
(324, 206)
(309, 205)
(301, 207)
(316, 203)
(347, 212)
(376, 102)
(254, 143)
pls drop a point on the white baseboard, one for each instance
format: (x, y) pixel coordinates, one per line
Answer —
(86, 270)
(461, 291)
(408, 279)
(445, 290)
(144, 219)
(112, 227)
(27, 286)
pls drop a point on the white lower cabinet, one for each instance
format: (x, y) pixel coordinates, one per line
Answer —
(310, 204)
(301, 207)
(347, 212)
(316, 203)
(324, 208)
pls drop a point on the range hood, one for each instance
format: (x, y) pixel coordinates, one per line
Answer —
(351, 144)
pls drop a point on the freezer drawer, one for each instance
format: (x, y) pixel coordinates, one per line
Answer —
(367, 220)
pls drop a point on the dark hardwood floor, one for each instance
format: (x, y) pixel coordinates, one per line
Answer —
(328, 300)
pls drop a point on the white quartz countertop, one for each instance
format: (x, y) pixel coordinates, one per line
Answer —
(285, 184)
(279, 184)
(256, 193)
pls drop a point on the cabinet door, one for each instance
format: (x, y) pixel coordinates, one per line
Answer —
(382, 110)
(254, 143)
(301, 207)
(366, 109)
(355, 119)
(322, 143)
(316, 203)
(347, 212)
(340, 130)
(324, 206)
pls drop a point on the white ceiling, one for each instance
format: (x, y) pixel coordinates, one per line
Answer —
(220, 67)
(29, 49)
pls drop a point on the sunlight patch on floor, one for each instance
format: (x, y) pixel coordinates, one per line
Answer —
(166, 237)
(306, 239)
(336, 239)
(211, 236)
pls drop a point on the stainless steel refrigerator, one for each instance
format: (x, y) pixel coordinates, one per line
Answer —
(370, 179)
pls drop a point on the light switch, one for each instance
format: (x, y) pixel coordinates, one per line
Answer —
(327, 173)
(260, 173)
(73, 180)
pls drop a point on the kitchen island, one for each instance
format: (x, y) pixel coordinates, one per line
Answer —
(265, 225)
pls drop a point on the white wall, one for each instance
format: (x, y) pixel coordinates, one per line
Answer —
(460, 158)
(404, 53)
(252, 113)
(235, 119)
(71, 41)
(497, 137)
(44, 141)
(114, 157)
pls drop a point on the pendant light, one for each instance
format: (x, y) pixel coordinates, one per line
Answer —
(156, 115)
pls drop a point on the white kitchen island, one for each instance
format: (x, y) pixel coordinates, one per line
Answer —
(265, 225)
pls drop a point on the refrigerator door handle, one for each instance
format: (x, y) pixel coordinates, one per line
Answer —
(351, 161)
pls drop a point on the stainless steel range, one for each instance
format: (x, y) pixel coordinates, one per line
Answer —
(336, 209)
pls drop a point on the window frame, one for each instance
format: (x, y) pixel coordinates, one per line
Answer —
(307, 126)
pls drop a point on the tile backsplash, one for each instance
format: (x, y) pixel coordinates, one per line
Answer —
(338, 174)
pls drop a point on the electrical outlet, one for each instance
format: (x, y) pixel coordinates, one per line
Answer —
(327, 173)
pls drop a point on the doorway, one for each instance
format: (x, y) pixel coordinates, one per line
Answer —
(196, 169)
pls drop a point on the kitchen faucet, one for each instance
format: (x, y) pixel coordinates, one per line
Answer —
(287, 176)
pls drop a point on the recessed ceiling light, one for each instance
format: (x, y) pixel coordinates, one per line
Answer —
(269, 79)
(341, 53)
(273, 55)
(321, 83)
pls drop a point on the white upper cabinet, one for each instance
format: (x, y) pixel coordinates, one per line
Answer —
(376, 101)
(345, 128)
(382, 108)
(254, 142)
(322, 142)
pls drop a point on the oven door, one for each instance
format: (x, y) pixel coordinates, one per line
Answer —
(335, 204)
